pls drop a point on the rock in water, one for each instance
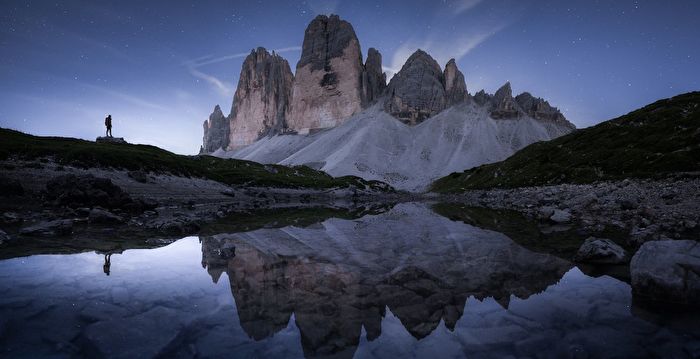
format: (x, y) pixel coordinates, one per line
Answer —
(667, 271)
(455, 86)
(600, 250)
(417, 91)
(262, 98)
(106, 139)
(328, 80)
(216, 132)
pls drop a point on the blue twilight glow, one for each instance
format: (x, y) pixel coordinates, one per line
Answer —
(159, 67)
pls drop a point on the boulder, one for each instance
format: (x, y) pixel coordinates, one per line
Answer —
(601, 251)
(667, 271)
(57, 227)
(328, 81)
(417, 91)
(101, 216)
(216, 132)
(560, 216)
(262, 98)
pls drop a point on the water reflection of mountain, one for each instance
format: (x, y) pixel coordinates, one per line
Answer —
(340, 275)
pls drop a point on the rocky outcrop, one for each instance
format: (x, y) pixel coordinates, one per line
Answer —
(89, 191)
(540, 109)
(216, 132)
(417, 91)
(600, 250)
(373, 77)
(667, 271)
(455, 86)
(328, 82)
(503, 104)
(481, 98)
(262, 98)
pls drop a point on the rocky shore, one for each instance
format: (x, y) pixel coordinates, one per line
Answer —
(45, 199)
(637, 210)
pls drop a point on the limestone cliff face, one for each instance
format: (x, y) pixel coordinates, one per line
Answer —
(503, 104)
(455, 86)
(216, 132)
(417, 91)
(262, 98)
(373, 77)
(540, 109)
(330, 79)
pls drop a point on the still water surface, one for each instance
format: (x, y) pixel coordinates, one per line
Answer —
(405, 283)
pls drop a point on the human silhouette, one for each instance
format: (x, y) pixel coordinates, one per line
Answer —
(108, 263)
(108, 124)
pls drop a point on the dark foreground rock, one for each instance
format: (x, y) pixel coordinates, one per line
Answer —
(600, 250)
(57, 227)
(10, 187)
(101, 216)
(667, 271)
(89, 191)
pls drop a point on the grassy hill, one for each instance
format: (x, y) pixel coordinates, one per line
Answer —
(87, 154)
(655, 141)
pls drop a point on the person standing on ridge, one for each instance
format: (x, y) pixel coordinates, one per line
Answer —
(108, 124)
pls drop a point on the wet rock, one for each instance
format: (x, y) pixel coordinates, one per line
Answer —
(600, 250)
(101, 216)
(545, 212)
(49, 228)
(11, 217)
(10, 187)
(667, 271)
(560, 216)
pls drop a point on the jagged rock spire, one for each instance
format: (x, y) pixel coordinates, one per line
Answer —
(455, 86)
(216, 132)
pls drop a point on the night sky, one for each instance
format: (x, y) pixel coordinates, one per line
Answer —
(159, 67)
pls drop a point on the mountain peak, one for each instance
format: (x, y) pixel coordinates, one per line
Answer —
(455, 86)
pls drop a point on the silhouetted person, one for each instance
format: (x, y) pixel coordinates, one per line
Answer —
(107, 264)
(108, 124)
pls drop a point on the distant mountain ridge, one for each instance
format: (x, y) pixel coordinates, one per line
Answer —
(332, 86)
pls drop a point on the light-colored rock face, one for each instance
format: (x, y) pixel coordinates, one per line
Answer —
(216, 132)
(328, 80)
(262, 98)
(504, 105)
(667, 271)
(455, 86)
(417, 91)
(373, 77)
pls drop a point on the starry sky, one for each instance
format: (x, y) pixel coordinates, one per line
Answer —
(159, 67)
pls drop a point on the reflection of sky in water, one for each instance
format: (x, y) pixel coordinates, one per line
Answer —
(161, 301)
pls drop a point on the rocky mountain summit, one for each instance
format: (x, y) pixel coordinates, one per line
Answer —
(332, 86)
(331, 82)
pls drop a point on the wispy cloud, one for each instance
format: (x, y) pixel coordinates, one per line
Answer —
(441, 50)
(465, 5)
(125, 97)
(223, 87)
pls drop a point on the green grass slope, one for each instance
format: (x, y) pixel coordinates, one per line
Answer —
(87, 154)
(653, 142)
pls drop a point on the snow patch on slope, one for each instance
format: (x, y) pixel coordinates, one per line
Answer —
(375, 146)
